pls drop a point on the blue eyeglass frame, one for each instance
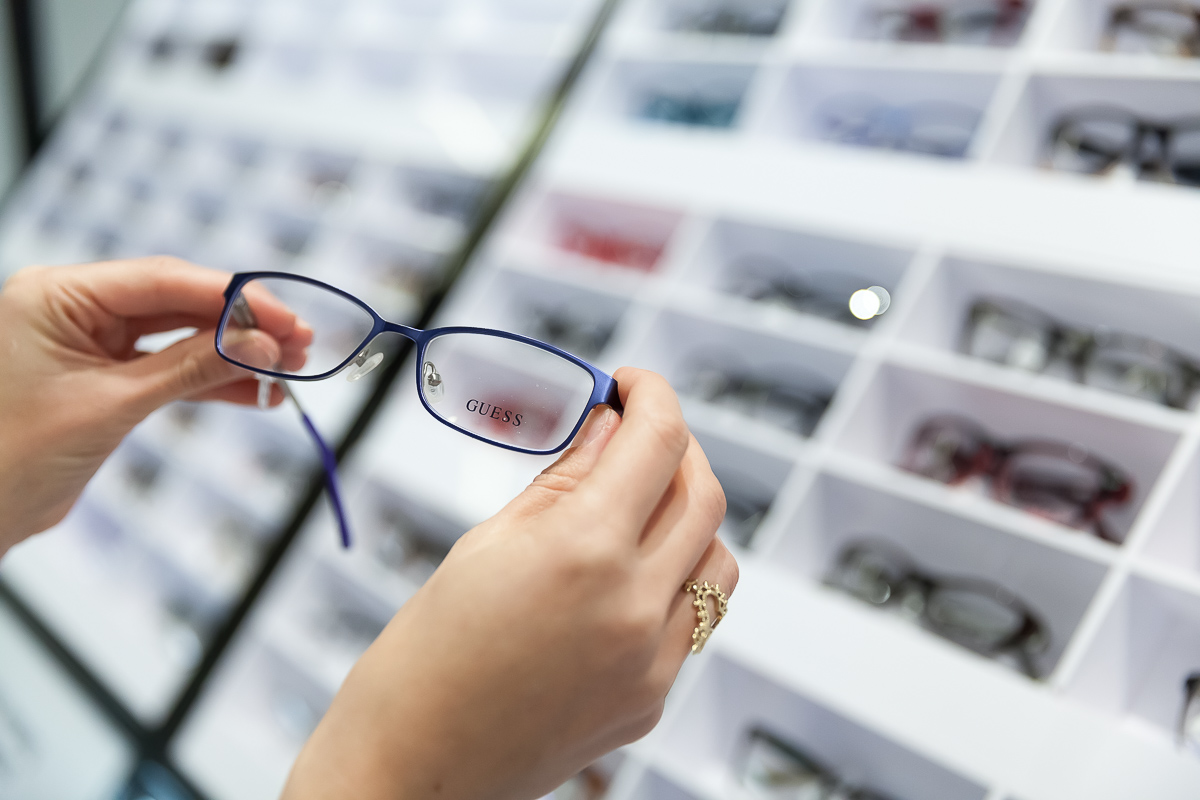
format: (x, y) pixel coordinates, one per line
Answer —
(604, 386)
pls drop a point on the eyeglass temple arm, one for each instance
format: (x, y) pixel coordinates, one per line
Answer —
(613, 400)
(328, 461)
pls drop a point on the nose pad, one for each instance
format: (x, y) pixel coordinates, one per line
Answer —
(364, 366)
(431, 380)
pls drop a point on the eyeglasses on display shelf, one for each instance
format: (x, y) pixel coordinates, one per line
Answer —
(497, 387)
(997, 23)
(747, 503)
(1061, 482)
(1096, 140)
(839, 296)
(1018, 335)
(1188, 734)
(788, 404)
(980, 615)
(611, 246)
(726, 17)
(943, 129)
(696, 110)
(585, 336)
(775, 769)
(1159, 28)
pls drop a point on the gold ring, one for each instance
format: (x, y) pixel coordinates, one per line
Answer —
(705, 623)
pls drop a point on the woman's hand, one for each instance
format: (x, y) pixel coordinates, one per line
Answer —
(549, 635)
(72, 384)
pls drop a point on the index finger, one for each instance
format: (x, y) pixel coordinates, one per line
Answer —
(644, 454)
(158, 286)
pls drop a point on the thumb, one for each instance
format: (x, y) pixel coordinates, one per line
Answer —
(192, 366)
(573, 466)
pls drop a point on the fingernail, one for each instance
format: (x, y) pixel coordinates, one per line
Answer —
(597, 427)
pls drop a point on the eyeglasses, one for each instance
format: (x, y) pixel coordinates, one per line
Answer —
(507, 390)
(1161, 28)
(757, 19)
(792, 406)
(774, 769)
(695, 110)
(1189, 716)
(1095, 140)
(827, 294)
(931, 128)
(977, 614)
(586, 336)
(1017, 335)
(1061, 482)
(998, 22)
(610, 247)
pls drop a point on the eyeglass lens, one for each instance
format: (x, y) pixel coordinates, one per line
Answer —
(340, 326)
(505, 391)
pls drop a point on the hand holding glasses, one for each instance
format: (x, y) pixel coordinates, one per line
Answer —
(979, 615)
(1061, 482)
(501, 388)
(1012, 333)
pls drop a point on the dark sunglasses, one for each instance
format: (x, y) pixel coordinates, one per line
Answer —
(980, 615)
(1018, 335)
(1060, 482)
(1095, 140)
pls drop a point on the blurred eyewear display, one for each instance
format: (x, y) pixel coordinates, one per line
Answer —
(697, 110)
(729, 17)
(973, 22)
(570, 331)
(1018, 335)
(1061, 482)
(1097, 139)
(774, 769)
(612, 247)
(829, 294)
(1189, 715)
(1171, 29)
(977, 614)
(747, 502)
(933, 128)
(501, 388)
(794, 406)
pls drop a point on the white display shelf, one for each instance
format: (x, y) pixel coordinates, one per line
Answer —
(1093, 252)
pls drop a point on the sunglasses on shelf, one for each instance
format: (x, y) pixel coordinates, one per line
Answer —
(1159, 28)
(694, 110)
(585, 336)
(826, 294)
(508, 390)
(1096, 140)
(933, 128)
(775, 769)
(980, 615)
(994, 22)
(1018, 335)
(793, 406)
(747, 502)
(757, 18)
(1060, 482)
